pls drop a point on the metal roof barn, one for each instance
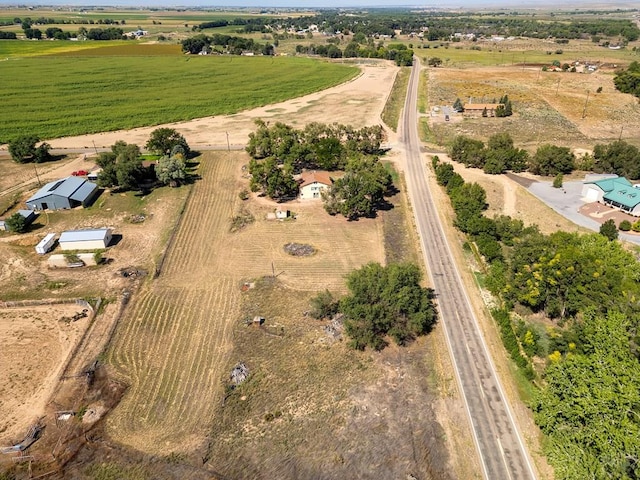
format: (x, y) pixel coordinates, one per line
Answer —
(66, 193)
(93, 239)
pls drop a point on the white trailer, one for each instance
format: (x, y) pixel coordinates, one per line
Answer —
(46, 243)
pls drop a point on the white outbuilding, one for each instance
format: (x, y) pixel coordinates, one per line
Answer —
(93, 239)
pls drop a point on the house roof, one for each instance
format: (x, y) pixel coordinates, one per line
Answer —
(625, 196)
(308, 178)
(67, 187)
(84, 235)
(611, 184)
(481, 106)
(28, 214)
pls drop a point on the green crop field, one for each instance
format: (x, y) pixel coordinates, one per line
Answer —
(58, 96)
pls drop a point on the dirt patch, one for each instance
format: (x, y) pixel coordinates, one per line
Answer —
(35, 343)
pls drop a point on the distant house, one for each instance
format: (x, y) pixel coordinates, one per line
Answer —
(29, 216)
(312, 184)
(93, 239)
(67, 193)
(617, 192)
(478, 108)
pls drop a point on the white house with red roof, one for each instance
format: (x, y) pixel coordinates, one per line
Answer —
(312, 184)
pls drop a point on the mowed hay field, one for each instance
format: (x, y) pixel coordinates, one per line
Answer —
(173, 344)
(120, 89)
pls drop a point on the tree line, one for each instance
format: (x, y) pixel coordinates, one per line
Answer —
(584, 367)
(399, 52)
(500, 155)
(219, 43)
(628, 81)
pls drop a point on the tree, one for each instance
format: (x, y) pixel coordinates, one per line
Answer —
(625, 225)
(16, 223)
(386, 301)
(23, 148)
(457, 106)
(164, 140)
(274, 180)
(468, 151)
(323, 305)
(171, 170)
(360, 191)
(551, 160)
(628, 81)
(589, 407)
(434, 62)
(121, 167)
(618, 157)
(557, 181)
(609, 230)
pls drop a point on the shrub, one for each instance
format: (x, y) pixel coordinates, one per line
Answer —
(625, 225)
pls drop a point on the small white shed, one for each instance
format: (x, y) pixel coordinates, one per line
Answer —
(93, 239)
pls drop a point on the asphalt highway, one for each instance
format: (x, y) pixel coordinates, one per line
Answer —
(502, 452)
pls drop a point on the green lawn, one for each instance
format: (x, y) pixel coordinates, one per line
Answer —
(57, 96)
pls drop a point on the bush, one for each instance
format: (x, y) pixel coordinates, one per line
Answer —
(557, 181)
(625, 225)
(323, 305)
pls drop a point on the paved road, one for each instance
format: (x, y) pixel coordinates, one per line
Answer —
(502, 452)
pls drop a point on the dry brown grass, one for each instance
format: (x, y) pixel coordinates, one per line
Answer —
(540, 114)
(173, 345)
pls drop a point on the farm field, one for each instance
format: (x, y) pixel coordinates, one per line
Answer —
(91, 95)
(35, 343)
(174, 343)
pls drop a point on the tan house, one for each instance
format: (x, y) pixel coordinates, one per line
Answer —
(478, 108)
(312, 184)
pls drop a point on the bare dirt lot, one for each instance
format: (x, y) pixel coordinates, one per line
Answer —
(35, 343)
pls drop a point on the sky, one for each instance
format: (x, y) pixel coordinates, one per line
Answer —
(465, 4)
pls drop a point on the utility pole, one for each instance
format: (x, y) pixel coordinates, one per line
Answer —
(228, 144)
(584, 110)
(620, 136)
(94, 146)
(37, 177)
(557, 87)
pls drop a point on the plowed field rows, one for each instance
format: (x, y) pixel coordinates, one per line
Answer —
(173, 343)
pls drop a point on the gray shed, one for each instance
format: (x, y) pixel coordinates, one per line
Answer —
(66, 193)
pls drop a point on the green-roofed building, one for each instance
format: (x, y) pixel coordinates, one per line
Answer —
(614, 191)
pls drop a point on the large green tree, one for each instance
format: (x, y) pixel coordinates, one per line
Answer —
(171, 170)
(618, 157)
(551, 160)
(23, 149)
(590, 406)
(163, 140)
(386, 301)
(628, 81)
(361, 191)
(121, 167)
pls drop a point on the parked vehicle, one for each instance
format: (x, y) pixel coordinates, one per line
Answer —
(80, 173)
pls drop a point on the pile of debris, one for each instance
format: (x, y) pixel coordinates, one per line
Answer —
(335, 327)
(137, 218)
(239, 374)
(131, 272)
(299, 249)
